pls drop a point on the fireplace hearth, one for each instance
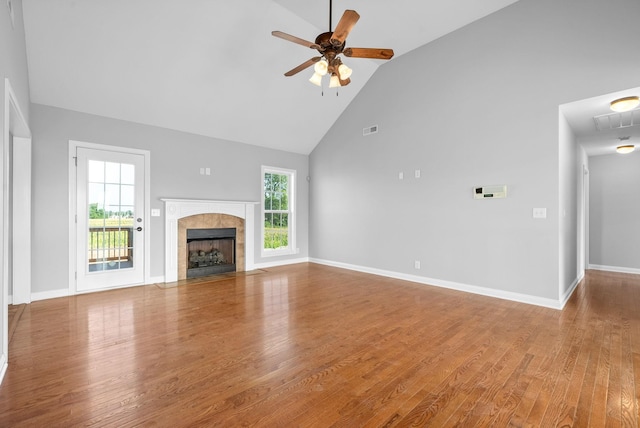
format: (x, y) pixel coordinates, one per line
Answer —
(210, 251)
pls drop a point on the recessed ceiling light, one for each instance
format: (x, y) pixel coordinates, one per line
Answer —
(625, 104)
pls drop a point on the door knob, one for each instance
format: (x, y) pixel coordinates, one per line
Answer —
(139, 229)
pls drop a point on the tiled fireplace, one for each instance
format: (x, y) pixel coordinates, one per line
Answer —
(189, 214)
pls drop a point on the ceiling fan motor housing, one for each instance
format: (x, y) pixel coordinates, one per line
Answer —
(324, 41)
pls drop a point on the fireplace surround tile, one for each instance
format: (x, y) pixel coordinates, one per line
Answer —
(224, 211)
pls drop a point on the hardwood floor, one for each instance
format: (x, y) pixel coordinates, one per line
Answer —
(311, 345)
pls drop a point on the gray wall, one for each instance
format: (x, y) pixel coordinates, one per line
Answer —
(13, 57)
(570, 188)
(176, 158)
(614, 211)
(13, 65)
(476, 107)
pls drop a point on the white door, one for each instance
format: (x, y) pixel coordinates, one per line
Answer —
(110, 217)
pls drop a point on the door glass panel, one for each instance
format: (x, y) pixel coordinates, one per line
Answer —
(127, 174)
(111, 212)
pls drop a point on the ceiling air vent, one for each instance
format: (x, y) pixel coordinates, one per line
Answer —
(626, 119)
(370, 130)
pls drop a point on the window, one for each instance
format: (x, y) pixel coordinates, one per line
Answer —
(278, 211)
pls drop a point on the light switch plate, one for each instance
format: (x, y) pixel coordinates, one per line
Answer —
(155, 212)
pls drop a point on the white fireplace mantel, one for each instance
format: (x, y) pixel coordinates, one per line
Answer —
(175, 209)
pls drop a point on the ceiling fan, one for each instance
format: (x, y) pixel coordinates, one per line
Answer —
(330, 45)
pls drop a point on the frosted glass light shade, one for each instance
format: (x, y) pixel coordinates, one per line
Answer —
(321, 67)
(625, 149)
(625, 104)
(344, 71)
(334, 82)
(316, 79)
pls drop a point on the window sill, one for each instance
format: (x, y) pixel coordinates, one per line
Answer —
(275, 253)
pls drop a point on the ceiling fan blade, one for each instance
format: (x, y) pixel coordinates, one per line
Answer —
(348, 20)
(295, 39)
(302, 66)
(375, 53)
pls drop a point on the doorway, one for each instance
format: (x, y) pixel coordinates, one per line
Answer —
(15, 214)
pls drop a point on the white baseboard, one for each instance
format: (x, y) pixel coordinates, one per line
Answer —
(51, 294)
(489, 292)
(3, 366)
(155, 280)
(618, 269)
(280, 263)
(567, 294)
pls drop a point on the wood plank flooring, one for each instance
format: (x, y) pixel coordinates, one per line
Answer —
(315, 346)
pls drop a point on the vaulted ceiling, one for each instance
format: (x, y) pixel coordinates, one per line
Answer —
(211, 67)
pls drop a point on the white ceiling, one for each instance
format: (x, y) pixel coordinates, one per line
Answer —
(211, 67)
(580, 115)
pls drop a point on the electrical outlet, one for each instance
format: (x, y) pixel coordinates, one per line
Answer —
(539, 213)
(417, 173)
(401, 176)
(416, 264)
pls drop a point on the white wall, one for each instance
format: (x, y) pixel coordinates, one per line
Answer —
(570, 189)
(475, 107)
(176, 158)
(614, 212)
(13, 66)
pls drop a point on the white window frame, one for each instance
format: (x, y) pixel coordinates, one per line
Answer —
(291, 247)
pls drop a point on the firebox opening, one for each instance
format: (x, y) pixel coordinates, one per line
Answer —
(211, 251)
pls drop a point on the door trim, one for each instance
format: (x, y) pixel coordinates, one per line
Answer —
(73, 145)
(17, 126)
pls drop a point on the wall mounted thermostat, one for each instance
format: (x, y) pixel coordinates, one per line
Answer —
(490, 192)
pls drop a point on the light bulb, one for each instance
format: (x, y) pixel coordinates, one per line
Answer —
(316, 79)
(321, 67)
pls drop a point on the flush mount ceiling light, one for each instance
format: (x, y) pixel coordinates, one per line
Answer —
(625, 104)
(627, 148)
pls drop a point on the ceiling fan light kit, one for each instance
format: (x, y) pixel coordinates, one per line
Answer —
(330, 45)
(625, 104)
